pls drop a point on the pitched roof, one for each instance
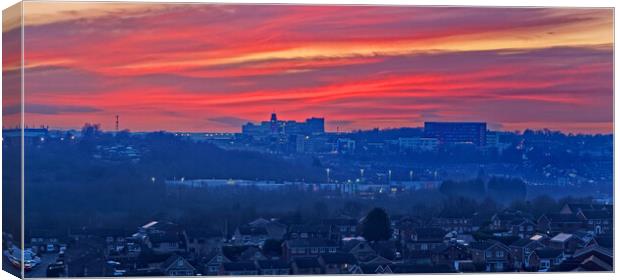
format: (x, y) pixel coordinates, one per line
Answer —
(362, 246)
(379, 260)
(376, 268)
(209, 257)
(593, 263)
(592, 258)
(593, 250)
(562, 237)
(538, 237)
(485, 245)
(162, 226)
(173, 260)
(259, 222)
(252, 230)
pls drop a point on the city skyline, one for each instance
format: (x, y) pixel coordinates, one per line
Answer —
(112, 128)
(211, 67)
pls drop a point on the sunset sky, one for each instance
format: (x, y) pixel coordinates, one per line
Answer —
(214, 67)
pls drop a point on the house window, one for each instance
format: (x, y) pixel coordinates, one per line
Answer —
(489, 254)
(499, 254)
(314, 250)
(332, 250)
(424, 247)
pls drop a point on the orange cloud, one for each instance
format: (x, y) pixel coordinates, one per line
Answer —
(179, 67)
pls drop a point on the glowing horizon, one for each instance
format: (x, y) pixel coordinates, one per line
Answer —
(213, 67)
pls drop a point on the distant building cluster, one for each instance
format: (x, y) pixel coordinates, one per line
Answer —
(457, 132)
(279, 128)
(310, 137)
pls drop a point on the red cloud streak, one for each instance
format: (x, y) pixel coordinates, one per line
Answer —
(187, 67)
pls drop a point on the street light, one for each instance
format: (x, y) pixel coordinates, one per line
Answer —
(327, 171)
(389, 176)
(153, 180)
(411, 175)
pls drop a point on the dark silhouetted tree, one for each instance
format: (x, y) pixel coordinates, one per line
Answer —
(376, 225)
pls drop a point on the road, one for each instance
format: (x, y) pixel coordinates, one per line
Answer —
(41, 269)
(38, 272)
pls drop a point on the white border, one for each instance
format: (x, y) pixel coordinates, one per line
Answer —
(515, 3)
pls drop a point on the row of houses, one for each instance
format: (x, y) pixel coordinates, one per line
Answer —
(509, 241)
(354, 256)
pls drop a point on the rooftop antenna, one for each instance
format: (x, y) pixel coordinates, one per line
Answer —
(116, 123)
